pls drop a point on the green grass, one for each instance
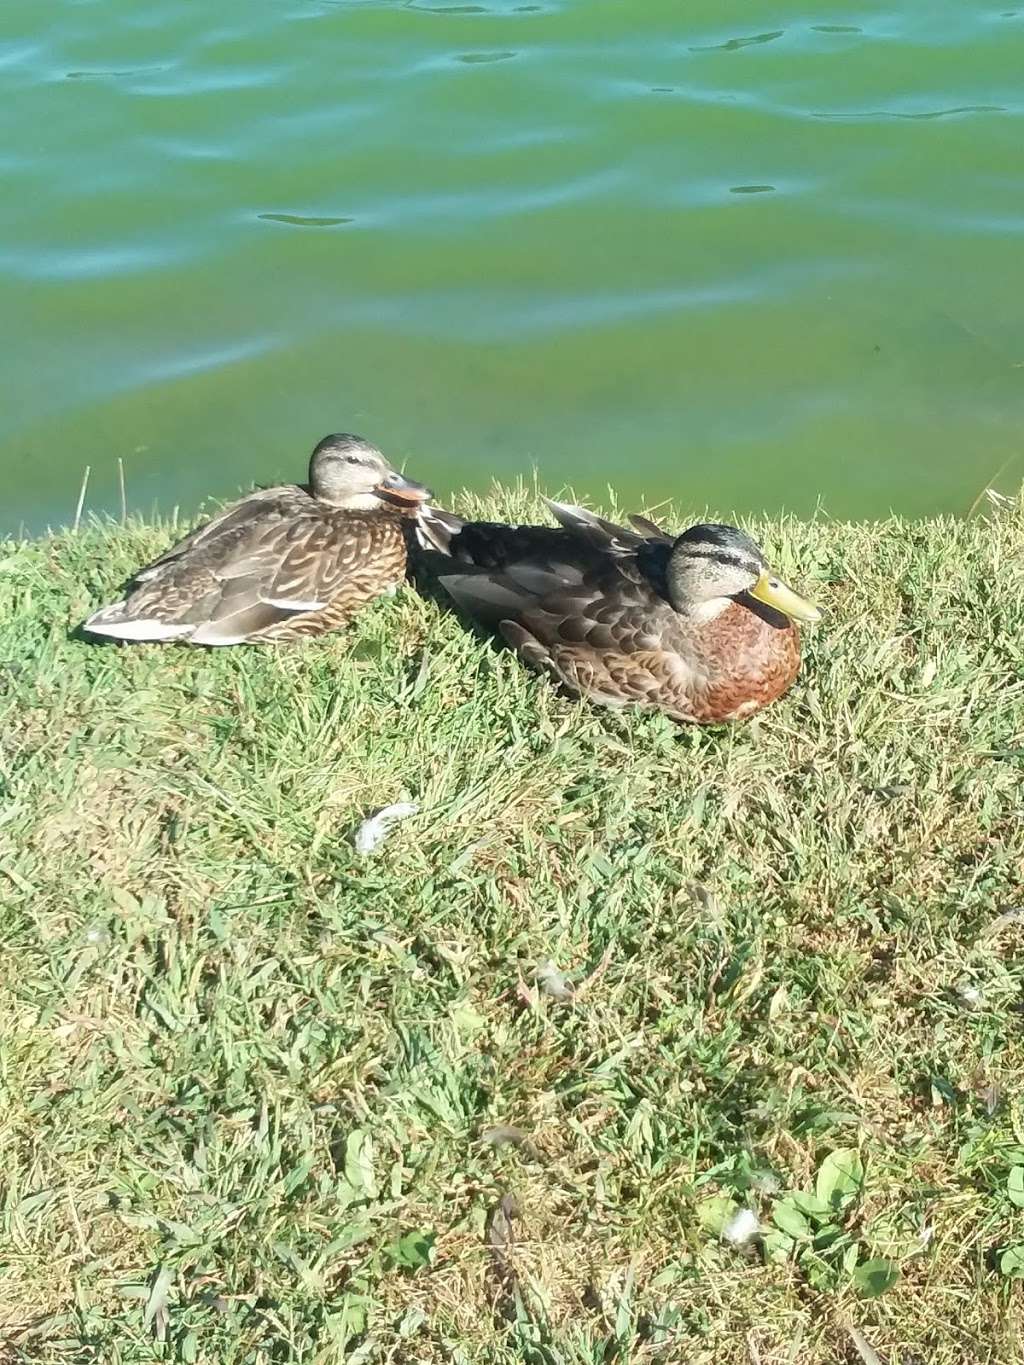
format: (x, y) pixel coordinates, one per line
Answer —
(248, 1079)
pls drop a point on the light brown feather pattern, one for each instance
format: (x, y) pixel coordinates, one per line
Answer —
(278, 565)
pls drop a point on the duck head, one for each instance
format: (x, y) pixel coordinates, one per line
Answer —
(712, 565)
(348, 472)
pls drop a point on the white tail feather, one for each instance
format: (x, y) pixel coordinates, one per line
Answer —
(106, 622)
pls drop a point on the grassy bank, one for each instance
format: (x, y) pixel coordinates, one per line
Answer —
(264, 1100)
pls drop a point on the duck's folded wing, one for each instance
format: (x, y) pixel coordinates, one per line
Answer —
(250, 573)
(487, 595)
(496, 545)
(228, 519)
(600, 604)
(288, 571)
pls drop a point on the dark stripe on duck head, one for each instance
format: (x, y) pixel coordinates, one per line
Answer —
(722, 545)
(726, 557)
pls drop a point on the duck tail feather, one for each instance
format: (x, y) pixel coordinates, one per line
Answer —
(118, 624)
(607, 535)
(436, 528)
(648, 528)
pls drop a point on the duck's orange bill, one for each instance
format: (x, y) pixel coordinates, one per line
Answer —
(403, 492)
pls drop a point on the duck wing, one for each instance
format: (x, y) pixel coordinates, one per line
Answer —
(263, 561)
(487, 544)
(494, 545)
(613, 637)
(566, 586)
(493, 570)
(235, 514)
(650, 529)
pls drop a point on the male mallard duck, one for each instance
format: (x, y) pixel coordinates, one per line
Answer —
(695, 626)
(281, 563)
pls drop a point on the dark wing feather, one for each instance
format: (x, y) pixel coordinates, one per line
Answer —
(602, 601)
(570, 574)
(496, 545)
(606, 536)
(650, 529)
(491, 545)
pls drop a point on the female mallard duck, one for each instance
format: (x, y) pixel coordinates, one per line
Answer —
(694, 626)
(281, 563)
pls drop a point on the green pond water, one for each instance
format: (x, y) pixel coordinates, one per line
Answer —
(751, 254)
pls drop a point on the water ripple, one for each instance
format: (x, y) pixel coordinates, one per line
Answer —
(18, 54)
(299, 220)
(480, 58)
(106, 262)
(468, 208)
(925, 115)
(191, 84)
(112, 75)
(735, 44)
(202, 360)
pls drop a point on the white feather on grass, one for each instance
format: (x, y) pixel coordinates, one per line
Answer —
(741, 1228)
(372, 832)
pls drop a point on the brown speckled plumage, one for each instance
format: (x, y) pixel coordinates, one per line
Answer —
(282, 564)
(589, 603)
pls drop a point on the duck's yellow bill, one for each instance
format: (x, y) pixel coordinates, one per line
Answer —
(774, 593)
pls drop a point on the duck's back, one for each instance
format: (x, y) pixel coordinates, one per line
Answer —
(496, 545)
